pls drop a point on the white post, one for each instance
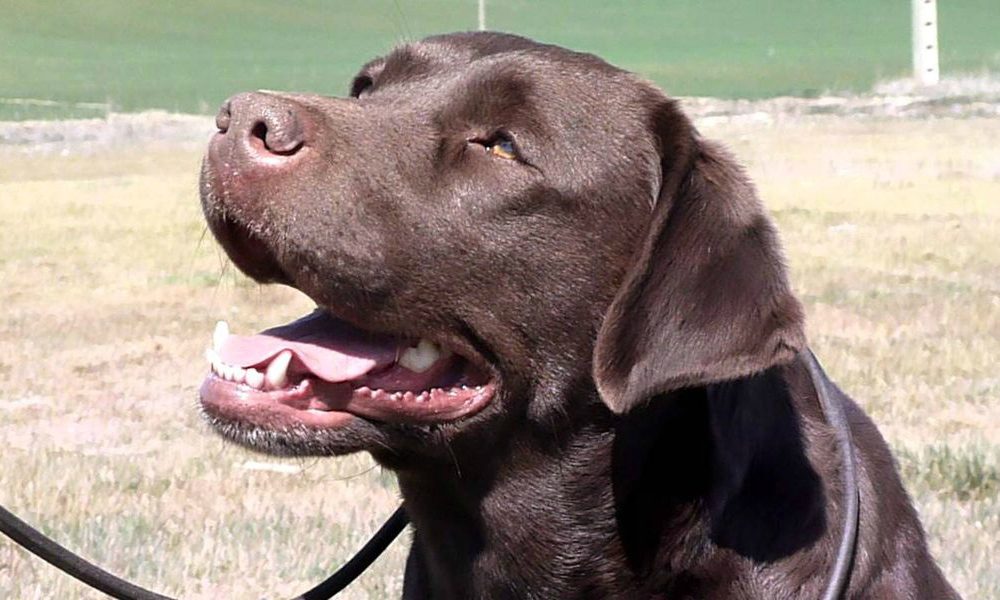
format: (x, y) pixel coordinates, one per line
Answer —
(925, 42)
(482, 15)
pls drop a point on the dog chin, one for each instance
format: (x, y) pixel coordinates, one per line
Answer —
(297, 440)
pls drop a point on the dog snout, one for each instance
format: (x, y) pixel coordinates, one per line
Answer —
(261, 130)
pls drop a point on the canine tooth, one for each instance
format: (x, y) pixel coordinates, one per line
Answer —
(254, 378)
(239, 374)
(422, 357)
(220, 335)
(277, 371)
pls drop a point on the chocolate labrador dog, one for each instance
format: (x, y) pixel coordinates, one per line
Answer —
(560, 316)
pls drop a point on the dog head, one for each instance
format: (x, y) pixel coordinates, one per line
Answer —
(492, 230)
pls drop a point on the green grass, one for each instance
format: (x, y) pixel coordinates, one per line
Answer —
(93, 56)
(970, 472)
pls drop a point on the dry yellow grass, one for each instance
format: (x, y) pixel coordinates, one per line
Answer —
(110, 290)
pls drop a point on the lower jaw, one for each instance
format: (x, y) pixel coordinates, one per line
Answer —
(322, 406)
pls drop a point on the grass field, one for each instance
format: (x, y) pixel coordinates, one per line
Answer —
(61, 59)
(111, 289)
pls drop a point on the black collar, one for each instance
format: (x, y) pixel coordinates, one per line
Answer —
(833, 410)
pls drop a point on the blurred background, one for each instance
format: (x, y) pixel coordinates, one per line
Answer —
(886, 191)
(188, 56)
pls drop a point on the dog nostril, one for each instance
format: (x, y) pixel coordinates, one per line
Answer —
(223, 117)
(259, 133)
(283, 141)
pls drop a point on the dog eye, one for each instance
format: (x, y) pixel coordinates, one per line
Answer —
(500, 145)
(502, 148)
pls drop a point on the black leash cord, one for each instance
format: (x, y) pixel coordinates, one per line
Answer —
(840, 575)
(38, 544)
(360, 561)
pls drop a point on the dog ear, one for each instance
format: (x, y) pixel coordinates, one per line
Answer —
(706, 297)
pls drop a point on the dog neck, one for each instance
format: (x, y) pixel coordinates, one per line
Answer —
(682, 472)
(508, 515)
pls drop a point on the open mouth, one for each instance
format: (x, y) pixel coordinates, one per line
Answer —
(320, 371)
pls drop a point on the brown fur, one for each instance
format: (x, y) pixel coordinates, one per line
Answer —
(654, 434)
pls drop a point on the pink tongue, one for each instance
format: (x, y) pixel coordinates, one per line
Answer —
(330, 348)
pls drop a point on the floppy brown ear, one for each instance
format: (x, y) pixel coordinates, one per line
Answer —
(706, 297)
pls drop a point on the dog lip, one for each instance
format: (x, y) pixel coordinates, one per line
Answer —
(320, 405)
(231, 402)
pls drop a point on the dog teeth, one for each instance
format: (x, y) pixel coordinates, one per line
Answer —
(421, 357)
(277, 371)
(418, 359)
(220, 335)
(254, 378)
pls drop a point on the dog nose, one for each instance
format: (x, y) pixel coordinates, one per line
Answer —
(262, 126)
